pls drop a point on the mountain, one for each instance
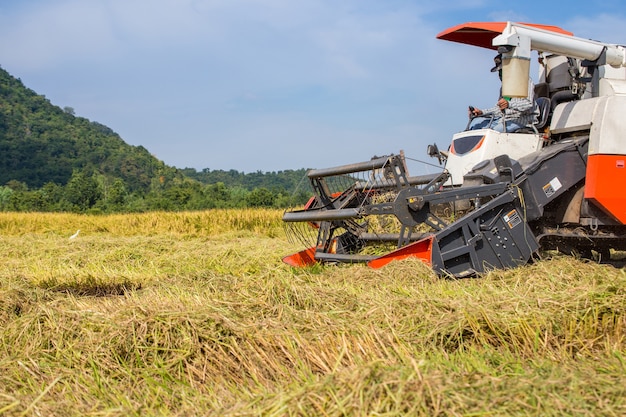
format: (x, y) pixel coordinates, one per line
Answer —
(42, 143)
(51, 160)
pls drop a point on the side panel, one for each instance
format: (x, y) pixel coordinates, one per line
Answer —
(574, 116)
(551, 173)
(489, 144)
(608, 126)
(493, 237)
(605, 184)
(602, 116)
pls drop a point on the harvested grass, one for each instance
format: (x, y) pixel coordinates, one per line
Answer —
(163, 323)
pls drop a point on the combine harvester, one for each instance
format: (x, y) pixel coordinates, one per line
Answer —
(501, 197)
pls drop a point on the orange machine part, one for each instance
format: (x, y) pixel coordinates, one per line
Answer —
(606, 184)
(303, 258)
(421, 249)
(482, 33)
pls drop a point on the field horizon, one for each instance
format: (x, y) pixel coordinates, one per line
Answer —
(176, 314)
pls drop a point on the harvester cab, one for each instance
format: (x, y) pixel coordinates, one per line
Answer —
(501, 197)
(558, 80)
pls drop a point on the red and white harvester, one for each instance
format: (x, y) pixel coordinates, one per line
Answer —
(501, 197)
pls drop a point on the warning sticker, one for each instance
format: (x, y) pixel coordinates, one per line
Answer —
(512, 218)
(552, 187)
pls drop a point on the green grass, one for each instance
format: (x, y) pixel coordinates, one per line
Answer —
(194, 318)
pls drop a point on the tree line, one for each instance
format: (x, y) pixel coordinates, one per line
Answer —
(95, 193)
(52, 160)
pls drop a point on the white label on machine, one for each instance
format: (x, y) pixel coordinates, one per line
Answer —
(512, 218)
(552, 187)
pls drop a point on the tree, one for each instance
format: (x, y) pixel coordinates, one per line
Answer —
(82, 191)
(117, 194)
(5, 196)
(17, 185)
(260, 197)
(50, 197)
(217, 195)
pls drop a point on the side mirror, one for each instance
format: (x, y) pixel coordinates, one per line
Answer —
(432, 150)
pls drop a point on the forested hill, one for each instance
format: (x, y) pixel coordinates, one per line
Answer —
(51, 160)
(42, 143)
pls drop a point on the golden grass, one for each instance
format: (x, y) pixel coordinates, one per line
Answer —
(161, 314)
(190, 224)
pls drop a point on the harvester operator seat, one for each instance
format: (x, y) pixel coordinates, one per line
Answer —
(543, 103)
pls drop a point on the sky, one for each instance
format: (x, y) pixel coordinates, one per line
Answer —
(272, 85)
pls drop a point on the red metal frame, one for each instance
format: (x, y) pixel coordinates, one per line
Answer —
(421, 249)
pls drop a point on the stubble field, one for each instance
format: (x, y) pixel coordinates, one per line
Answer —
(184, 314)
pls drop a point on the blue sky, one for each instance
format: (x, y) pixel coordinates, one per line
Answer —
(269, 85)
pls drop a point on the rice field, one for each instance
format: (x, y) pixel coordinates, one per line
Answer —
(185, 314)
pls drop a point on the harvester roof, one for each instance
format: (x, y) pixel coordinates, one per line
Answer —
(482, 33)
